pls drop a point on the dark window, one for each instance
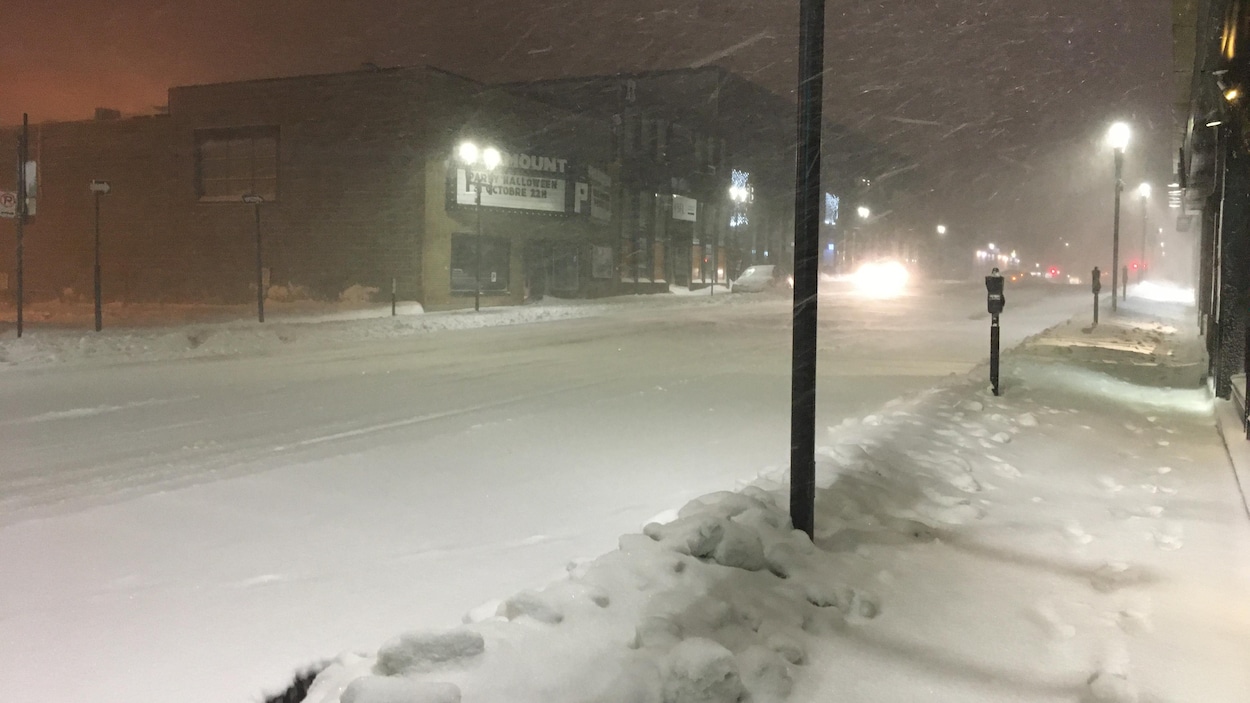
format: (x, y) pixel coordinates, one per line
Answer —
(495, 263)
(565, 268)
(631, 133)
(231, 163)
(648, 138)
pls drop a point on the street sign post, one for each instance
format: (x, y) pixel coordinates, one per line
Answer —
(98, 188)
(255, 201)
(8, 204)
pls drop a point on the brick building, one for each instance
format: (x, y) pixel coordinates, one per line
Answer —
(608, 185)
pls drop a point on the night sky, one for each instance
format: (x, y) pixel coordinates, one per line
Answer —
(1001, 104)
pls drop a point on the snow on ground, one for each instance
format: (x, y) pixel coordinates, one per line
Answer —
(1080, 538)
(191, 529)
(161, 332)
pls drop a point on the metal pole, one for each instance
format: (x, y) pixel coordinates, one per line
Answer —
(392, 296)
(21, 220)
(477, 268)
(1124, 285)
(1115, 239)
(1095, 309)
(806, 258)
(260, 275)
(994, 352)
(99, 316)
(1141, 265)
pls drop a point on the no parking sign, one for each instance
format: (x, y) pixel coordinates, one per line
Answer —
(8, 203)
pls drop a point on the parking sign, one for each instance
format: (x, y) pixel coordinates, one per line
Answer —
(8, 203)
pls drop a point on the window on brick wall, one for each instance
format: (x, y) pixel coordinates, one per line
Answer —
(231, 163)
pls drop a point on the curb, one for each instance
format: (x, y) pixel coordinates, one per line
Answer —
(1228, 424)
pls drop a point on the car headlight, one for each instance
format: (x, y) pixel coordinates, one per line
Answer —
(881, 279)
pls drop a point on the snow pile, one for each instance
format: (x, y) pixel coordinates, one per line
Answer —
(722, 603)
(358, 294)
(1163, 292)
(707, 291)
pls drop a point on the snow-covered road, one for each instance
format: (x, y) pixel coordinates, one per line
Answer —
(191, 529)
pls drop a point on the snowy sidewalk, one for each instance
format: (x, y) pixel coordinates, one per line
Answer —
(1080, 538)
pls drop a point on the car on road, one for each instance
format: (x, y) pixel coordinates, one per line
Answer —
(760, 278)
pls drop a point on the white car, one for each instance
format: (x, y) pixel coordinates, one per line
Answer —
(760, 278)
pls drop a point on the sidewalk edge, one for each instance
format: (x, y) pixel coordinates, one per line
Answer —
(1236, 446)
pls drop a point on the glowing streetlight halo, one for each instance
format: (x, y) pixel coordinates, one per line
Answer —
(1118, 136)
(491, 158)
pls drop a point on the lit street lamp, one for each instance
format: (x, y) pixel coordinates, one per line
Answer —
(1117, 139)
(941, 229)
(863, 212)
(490, 157)
(1144, 192)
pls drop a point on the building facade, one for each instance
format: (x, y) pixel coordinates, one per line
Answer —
(606, 185)
(1212, 72)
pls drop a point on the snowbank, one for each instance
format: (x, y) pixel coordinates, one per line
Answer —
(151, 337)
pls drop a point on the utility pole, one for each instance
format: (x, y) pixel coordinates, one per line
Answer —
(1115, 238)
(806, 273)
(22, 146)
(477, 251)
(1141, 265)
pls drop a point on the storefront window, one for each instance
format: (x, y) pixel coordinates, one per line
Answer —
(495, 264)
(565, 267)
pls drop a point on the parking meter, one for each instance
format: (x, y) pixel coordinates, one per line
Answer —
(1095, 284)
(994, 292)
(995, 301)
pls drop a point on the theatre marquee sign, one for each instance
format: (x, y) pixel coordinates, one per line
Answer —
(521, 182)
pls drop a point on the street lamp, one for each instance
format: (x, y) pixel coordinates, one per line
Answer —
(941, 229)
(489, 157)
(1143, 191)
(1117, 139)
(864, 213)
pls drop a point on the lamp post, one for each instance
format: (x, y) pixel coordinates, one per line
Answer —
(489, 157)
(98, 188)
(1143, 191)
(1117, 139)
(739, 195)
(864, 214)
(255, 201)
